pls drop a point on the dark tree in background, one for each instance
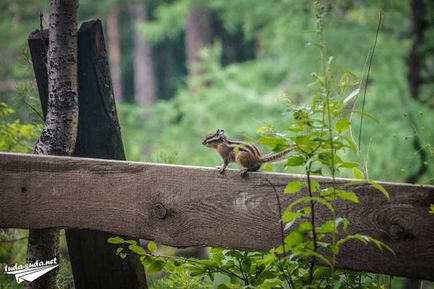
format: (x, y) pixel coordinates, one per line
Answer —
(198, 33)
(115, 52)
(60, 131)
(420, 74)
(144, 79)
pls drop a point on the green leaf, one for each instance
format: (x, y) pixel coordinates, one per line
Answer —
(122, 255)
(327, 227)
(358, 174)
(267, 168)
(379, 187)
(137, 249)
(293, 239)
(348, 196)
(315, 186)
(290, 216)
(115, 240)
(132, 242)
(349, 165)
(313, 199)
(344, 82)
(342, 125)
(293, 187)
(431, 210)
(118, 250)
(156, 266)
(295, 160)
(152, 247)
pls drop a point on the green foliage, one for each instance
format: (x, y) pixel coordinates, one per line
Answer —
(14, 135)
(323, 145)
(243, 94)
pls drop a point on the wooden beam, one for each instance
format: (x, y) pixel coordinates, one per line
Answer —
(194, 206)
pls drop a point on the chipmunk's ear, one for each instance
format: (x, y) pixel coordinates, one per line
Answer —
(220, 131)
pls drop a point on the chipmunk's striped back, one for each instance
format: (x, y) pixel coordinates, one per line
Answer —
(243, 146)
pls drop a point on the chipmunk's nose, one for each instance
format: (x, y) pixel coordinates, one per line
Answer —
(204, 142)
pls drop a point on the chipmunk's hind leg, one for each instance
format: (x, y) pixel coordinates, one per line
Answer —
(249, 162)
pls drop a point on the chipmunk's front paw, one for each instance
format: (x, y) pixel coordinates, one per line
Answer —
(243, 173)
(221, 170)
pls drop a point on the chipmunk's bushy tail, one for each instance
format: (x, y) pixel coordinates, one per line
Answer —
(274, 157)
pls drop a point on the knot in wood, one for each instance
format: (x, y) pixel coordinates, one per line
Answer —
(160, 211)
(397, 232)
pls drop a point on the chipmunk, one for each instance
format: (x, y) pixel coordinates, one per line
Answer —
(247, 155)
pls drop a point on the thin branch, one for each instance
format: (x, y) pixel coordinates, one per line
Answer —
(312, 214)
(365, 87)
(282, 234)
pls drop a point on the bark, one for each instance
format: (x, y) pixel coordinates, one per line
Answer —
(144, 78)
(198, 34)
(59, 134)
(60, 131)
(115, 52)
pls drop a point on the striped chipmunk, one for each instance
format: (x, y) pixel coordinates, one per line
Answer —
(245, 154)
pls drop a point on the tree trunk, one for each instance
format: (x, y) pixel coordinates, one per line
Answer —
(59, 134)
(144, 78)
(198, 34)
(115, 52)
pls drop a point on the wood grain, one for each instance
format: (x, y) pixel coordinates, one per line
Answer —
(194, 206)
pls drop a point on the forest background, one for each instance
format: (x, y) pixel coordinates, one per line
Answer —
(183, 68)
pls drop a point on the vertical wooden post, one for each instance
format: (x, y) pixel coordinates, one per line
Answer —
(93, 261)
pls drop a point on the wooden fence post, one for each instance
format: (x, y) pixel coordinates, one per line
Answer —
(93, 261)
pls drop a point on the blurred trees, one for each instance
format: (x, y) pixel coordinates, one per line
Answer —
(144, 79)
(115, 52)
(256, 53)
(252, 56)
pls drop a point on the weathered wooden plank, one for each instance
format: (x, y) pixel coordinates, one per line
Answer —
(193, 206)
(94, 264)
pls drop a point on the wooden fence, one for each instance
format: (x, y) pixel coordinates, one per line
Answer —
(194, 206)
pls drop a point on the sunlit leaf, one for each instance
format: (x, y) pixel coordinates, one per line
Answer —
(293, 187)
(348, 196)
(349, 165)
(295, 160)
(118, 250)
(137, 249)
(358, 174)
(115, 240)
(152, 246)
(379, 187)
(342, 125)
(293, 239)
(155, 267)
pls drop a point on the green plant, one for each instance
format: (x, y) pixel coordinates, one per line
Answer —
(14, 135)
(324, 145)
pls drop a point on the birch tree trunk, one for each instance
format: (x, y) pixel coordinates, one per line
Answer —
(60, 131)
